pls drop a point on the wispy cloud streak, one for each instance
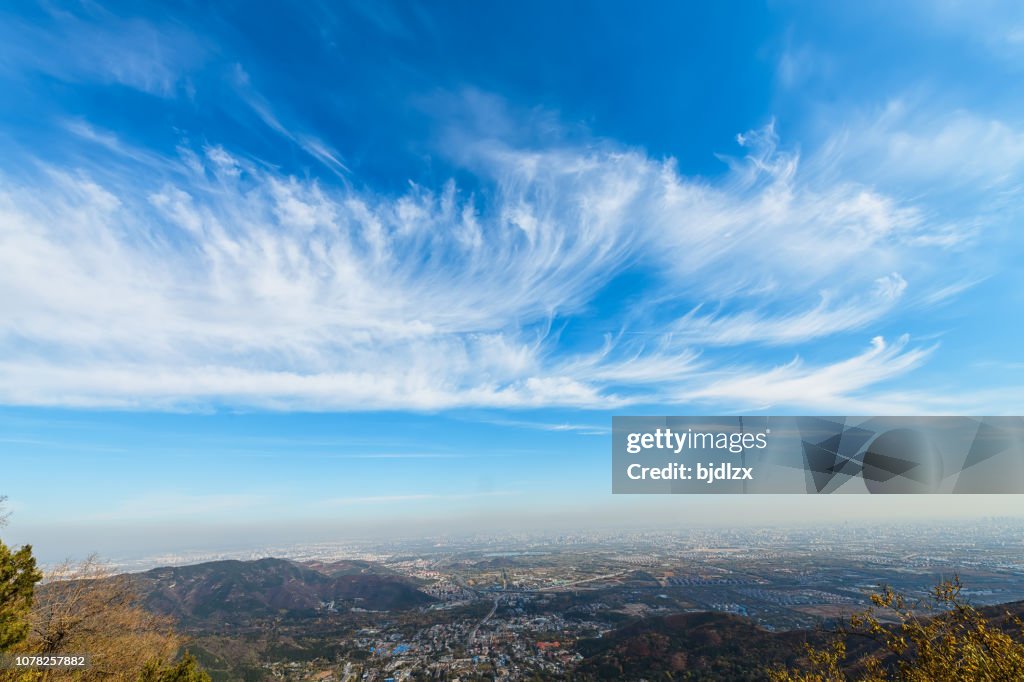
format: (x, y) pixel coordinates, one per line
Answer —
(211, 278)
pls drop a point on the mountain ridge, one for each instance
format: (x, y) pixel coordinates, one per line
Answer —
(233, 590)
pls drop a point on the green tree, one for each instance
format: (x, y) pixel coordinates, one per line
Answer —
(953, 641)
(18, 578)
(84, 609)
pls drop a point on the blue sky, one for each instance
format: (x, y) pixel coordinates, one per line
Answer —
(331, 262)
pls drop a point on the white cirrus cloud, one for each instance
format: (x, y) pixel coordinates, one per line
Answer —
(90, 44)
(211, 278)
(837, 386)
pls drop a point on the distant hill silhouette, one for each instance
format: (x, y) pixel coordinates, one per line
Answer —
(714, 646)
(236, 591)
